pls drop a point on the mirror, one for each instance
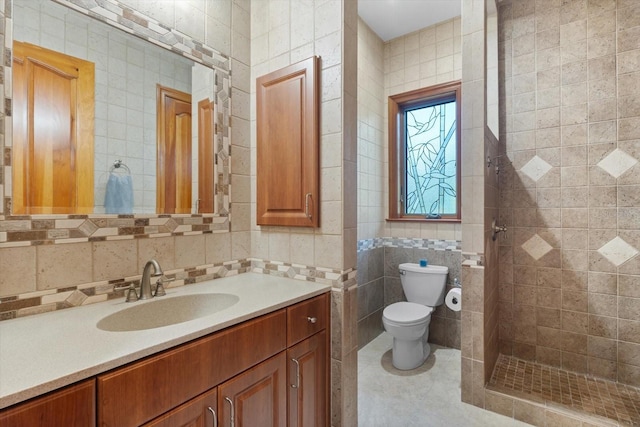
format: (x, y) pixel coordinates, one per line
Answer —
(492, 95)
(135, 83)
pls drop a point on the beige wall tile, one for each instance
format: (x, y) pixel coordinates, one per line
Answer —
(63, 265)
(161, 249)
(190, 251)
(118, 258)
(18, 266)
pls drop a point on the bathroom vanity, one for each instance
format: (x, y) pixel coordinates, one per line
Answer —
(268, 367)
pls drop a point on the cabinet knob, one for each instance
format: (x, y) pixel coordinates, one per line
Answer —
(312, 319)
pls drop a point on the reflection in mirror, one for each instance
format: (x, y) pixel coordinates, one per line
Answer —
(492, 96)
(156, 148)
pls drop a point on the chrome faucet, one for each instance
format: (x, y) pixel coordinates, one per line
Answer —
(145, 282)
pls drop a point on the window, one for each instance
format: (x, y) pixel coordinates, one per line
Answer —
(424, 154)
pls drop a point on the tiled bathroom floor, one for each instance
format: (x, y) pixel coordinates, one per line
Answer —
(428, 396)
(608, 399)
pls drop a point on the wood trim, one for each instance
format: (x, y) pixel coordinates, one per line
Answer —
(206, 153)
(396, 135)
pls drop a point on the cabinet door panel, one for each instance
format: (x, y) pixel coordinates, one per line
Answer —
(308, 402)
(258, 396)
(70, 407)
(136, 394)
(198, 412)
(288, 145)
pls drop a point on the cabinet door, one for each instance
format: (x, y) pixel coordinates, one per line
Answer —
(198, 412)
(308, 401)
(257, 397)
(140, 392)
(288, 146)
(73, 406)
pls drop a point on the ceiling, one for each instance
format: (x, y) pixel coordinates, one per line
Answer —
(394, 18)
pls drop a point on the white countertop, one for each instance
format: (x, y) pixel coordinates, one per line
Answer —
(47, 351)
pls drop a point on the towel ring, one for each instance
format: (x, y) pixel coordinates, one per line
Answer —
(120, 164)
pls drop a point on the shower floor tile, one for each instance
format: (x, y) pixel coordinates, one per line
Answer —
(594, 396)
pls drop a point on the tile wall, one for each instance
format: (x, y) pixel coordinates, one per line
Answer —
(570, 268)
(379, 284)
(424, 58)
(372, 168)
(33, 252)
(283, 33)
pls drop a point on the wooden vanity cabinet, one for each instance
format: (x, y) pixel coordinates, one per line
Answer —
(73, 406)
(308, 362)
(271, 371)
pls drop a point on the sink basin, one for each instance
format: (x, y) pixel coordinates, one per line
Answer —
(166, 311)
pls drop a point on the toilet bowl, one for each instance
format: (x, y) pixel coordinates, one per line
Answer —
(408, 322)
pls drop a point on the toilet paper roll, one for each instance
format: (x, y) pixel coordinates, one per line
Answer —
(453, 300)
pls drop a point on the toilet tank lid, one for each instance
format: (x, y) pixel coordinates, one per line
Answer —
(430, 269)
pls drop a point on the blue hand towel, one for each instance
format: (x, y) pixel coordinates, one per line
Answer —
(118, 198)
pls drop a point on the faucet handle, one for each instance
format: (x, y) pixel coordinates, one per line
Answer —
(131, 294)
(160, 292)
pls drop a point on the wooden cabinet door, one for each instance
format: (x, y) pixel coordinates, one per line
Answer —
(288, 146)
(308, 384)
(53, 132)
(73, 406)
(257, 397)
(198, 412)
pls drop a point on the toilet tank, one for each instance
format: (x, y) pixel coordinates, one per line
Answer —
(424, 285)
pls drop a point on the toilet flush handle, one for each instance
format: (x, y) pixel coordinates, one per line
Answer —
(402, 272)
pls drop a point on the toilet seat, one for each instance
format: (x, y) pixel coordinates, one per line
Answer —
(406, 313)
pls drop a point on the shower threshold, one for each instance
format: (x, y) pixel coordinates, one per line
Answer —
(607, 401)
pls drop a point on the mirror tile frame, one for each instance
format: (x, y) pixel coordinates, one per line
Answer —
(27, 230)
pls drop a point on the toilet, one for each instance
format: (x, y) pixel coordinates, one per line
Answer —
(408, 322)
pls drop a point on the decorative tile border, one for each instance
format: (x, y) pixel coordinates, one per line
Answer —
(395, 242)
(90, 293)
(328, 276)
(57, 229)
(34, 230)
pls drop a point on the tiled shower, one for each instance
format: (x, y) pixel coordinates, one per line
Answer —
(570, 195)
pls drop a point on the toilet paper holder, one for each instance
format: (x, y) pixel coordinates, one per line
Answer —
(457, 283)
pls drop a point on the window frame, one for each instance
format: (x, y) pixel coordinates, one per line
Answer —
(397, 105)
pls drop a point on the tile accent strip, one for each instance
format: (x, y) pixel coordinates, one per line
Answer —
(395, 242)
(89, 293)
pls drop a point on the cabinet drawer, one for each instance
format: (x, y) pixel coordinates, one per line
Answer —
(306, 318)
(137, 393)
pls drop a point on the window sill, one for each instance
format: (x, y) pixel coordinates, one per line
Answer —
(425, 220)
